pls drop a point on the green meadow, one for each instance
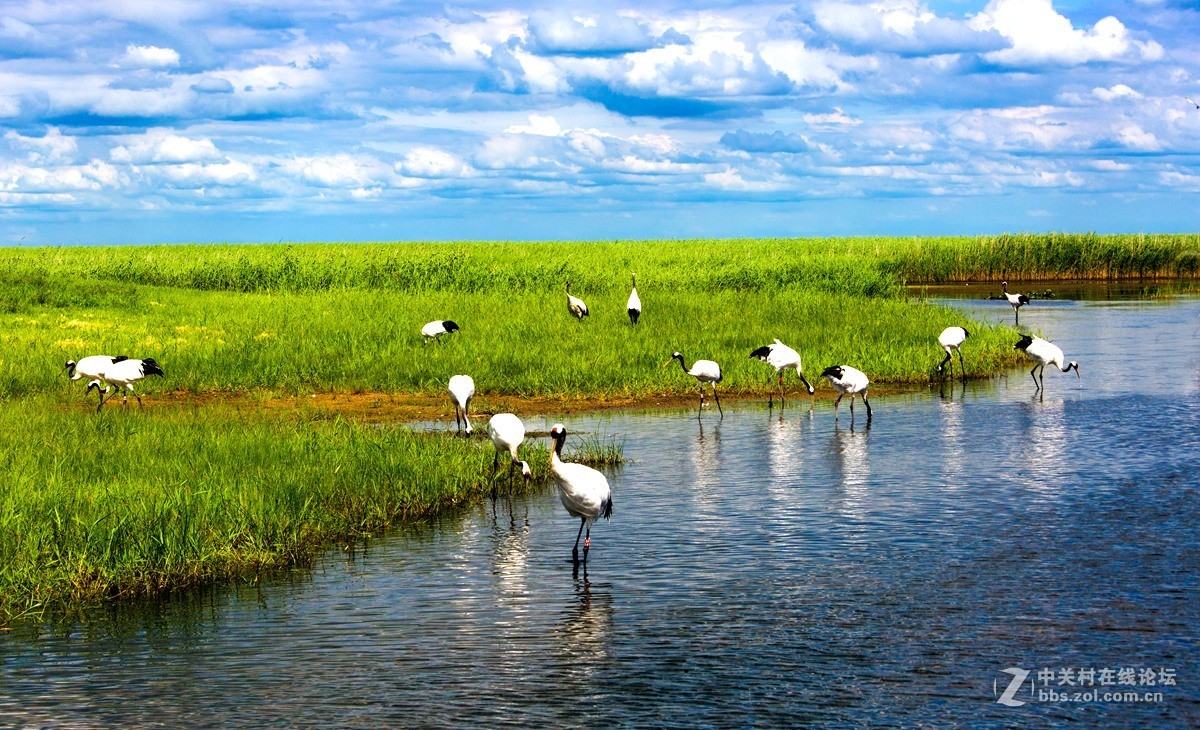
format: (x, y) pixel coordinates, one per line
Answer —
(121, 503)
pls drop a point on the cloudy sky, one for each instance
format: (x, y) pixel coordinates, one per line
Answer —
(176, 120)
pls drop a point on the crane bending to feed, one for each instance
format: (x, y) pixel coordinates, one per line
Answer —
(1044, 353)
(781, 357)
(704, 371)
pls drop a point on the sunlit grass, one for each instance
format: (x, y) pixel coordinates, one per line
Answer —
(128, 503)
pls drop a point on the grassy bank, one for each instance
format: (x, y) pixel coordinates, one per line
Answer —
(135, 503)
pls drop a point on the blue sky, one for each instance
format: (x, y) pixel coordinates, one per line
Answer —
(177, 121)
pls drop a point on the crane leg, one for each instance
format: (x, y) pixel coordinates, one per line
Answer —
(714, 387)
(587, 544)
(852, 409)
(701, 409)
(961, 366)
(868, 405)
(575, 550)
(1033, 374)
(836, 403)
(1042, 378)
(781, 404)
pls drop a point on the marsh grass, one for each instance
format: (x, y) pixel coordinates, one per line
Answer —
(518, 344)
(128, 503)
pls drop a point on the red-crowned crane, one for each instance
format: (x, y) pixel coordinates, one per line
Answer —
(634, 305)
(1016, 300)
(462, 390)
(848, 381)
(704, 371)
(123, 373)
(435, 329)
(583, 491)
(781, 357)
(507, 434)
(575, 305)
(951, 340)
(1045, 353)
(90, 367)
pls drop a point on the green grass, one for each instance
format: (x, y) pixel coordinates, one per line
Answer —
(146, 502)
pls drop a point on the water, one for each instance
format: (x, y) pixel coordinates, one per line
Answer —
(764, 570)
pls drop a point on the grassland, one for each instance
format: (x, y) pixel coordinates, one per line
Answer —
(140, 502)
(130, 503)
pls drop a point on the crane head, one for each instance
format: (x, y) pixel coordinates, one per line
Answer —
(70, 368)
(1074, 366)
(525, 472)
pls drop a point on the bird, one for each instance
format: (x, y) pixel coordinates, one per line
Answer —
(575, 305)
(91, 366)
(1016, 300)
(1045, 353)
(123, 373)
(583, 491)
(436, 329)
(1192, 102)
(507, 434)
(848, 381)
(781, 357)
(462, 390)
(704, 371)
(634, 305)
(951, 339)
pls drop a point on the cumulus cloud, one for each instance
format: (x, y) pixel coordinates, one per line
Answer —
(430, 162)
(1118, 91)
(540, 124)
(337, 171)
(905, 27)
(160, 146)
(52, 147)
(1040, 35)
(605, 34)
(149, 57)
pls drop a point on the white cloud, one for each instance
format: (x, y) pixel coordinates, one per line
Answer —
(149, 57)
(731, 179)
(539, 124)
(161, 146)
(836, 117)
(430, 162)
(54, 146)
(337, 171)
(1134, 136)
(231, 173)
(901, 26)
(806, 68)
(29, 179)
(1118, 91)
(1110, 166)
(1040, 35)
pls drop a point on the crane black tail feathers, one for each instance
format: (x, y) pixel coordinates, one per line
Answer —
(762, 353)
(149, 367)
(606, 508)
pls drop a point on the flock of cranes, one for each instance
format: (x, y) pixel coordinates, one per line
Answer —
(583, 490)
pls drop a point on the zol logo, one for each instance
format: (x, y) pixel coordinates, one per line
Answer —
(1008, 698)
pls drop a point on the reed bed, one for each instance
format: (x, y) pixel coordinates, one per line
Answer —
(148, 502)
(521, 344)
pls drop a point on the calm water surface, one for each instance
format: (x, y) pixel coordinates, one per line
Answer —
(768, 569)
